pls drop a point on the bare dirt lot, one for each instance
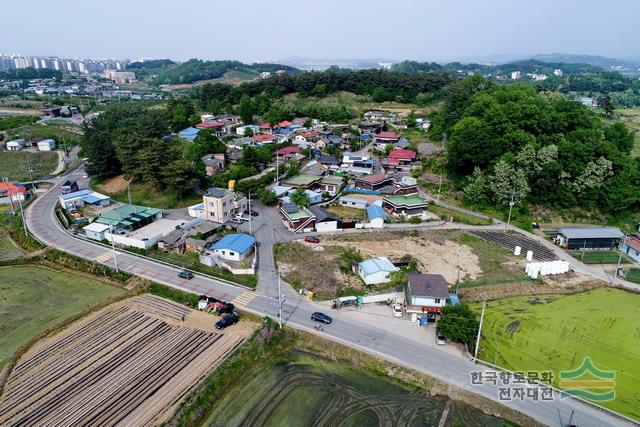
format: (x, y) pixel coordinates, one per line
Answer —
(128, 364)
(113, 185)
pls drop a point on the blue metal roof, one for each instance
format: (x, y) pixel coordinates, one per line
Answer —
(454, 299)
(75, 194)
(375, 265)
(239, 242)
(375, 211)
(91, 199)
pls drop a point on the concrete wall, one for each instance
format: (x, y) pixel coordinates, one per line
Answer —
(325, 227)
(376, 278)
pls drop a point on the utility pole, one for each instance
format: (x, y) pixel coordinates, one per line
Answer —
(113, 248)
(475, 351)
(279, 302)
(129, 190)
(511, 203)
(31, 174)
(250, 216)
(277, 167)
(6, 181)
(439, 186)
(615, 273)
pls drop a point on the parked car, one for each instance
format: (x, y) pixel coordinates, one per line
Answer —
(397, 310)
(202, 302)
(311, 239)
(185, 275)
(321, 317)
(254, 213)
(227, 320)
(440, 339)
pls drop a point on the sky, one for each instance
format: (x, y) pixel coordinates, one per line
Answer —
(268, 30)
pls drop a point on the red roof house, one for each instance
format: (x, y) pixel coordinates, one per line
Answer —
(288, 151)
(262, 139)
(284, 124)
(390, 136)
(210, 124)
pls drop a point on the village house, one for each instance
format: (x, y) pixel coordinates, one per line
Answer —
(407, 205)
(325, 222)
(297, 219)
(384, 138)
(220, 205)
(216, 126)
(377, 216)
(376, 270)
(314, 168)
(331, 184)
(83, 197)
(189, 133)
(357, 165)
(46, 145)
(288, 152)
(373, 182)
(12, 192)
(16, 144)
(353, 201)
(425, 293)
(263, 139)
(242, 130)
(213, 163)
(234, 247)
(302, 181)
(631, 247)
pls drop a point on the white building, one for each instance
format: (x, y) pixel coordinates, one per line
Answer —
(353, 202)
(234, 247)
(376, 270)
(425, 293)
(96, 231)
(516, 75)
(16, 145)
(46, 145)
(220, 205)
(242, 130)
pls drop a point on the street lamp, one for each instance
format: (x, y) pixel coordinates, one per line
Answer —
(511, 204)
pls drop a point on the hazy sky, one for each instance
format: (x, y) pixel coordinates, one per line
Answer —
(259, 30)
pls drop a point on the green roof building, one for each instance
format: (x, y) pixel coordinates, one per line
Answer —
(407, 205)
(130, 217)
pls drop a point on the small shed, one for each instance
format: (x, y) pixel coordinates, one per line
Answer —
(95, 231)
(353, 202)
(325, 222)
(16, 145)
(46, 145)
(376, 270)
(377, 216)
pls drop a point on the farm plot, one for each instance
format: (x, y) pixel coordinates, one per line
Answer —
(510, 241)
(128, 364)
(7, 249)
(555, 333)
(306, 389)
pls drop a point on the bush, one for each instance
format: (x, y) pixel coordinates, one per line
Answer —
(415, 220)
(458, 323)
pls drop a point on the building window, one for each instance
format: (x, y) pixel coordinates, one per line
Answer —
(232, 254)
(437, 300)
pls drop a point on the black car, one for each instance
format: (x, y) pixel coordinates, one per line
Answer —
(227, 320)
(254, 213)
(321, 317)
(185, 275)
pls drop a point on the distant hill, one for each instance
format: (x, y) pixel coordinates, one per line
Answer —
(611, 64)
(525, 66)
(197, 70)
(150, 67)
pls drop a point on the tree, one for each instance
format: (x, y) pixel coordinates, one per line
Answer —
(607, 106)
(246, 110)
(458, 323)
(620, 136)
(507, 182)
(268, 197)
(300, 198)
(180, 110)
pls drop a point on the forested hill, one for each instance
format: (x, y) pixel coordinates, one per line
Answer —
(525, 66)
(195, 70)
(549, 150)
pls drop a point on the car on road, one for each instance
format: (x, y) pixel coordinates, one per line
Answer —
(311, 239)
(85, 176)
(254, 213)
(227, 320)
(185, 275)
(321, 317)
(440, 339)
(397, 310)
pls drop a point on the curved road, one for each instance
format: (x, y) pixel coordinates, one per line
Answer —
(365, 336)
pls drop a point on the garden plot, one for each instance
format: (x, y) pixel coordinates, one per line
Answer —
(128, 364)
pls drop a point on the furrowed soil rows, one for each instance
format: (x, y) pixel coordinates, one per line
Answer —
(128, 364)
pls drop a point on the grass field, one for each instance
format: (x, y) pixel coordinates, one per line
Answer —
(600, 257)
(557, 332)
(344, 212)
(15, 166)
(459, 216)
(33, 299)
(7, 249)
(145, 195)
(306, 389)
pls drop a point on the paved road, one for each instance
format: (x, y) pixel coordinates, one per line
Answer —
(367, 337)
